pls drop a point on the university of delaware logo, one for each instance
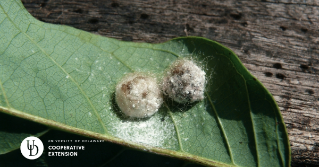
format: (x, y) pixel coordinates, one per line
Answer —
(31, 147)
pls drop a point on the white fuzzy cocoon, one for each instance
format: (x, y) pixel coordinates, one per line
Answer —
(138, 95)
(184, 82)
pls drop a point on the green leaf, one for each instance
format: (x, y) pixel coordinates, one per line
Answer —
(65, 78)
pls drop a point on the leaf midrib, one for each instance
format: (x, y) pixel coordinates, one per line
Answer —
(59, 125)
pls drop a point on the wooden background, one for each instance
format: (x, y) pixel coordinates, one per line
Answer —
(277, 40)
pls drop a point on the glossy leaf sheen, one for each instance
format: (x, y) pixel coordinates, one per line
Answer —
(65, 78)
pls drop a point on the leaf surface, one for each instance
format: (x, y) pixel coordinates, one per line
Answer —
(65, 78)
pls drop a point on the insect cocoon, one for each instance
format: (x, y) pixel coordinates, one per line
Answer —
(184, 82)
(138, 95)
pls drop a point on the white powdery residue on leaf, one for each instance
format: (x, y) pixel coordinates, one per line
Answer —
(151, 132)
(184, 82)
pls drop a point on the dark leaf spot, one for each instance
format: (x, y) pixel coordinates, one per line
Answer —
(268, 74)
(254, 79)
(280, 76)
(94, 21)
(309, 91)
(115, 5)
(236, 16)
(144, 16)
(277, 66)
(283, 28)
(304, 30)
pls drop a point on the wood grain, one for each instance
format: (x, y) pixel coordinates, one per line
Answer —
(277, 40)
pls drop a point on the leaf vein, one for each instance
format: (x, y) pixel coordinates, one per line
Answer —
(79, 87)
(176, 128)
(221, 127)
(4, 94)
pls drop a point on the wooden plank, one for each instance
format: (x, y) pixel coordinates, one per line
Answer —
(276, 40)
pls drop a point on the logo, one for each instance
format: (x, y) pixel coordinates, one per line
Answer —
(31, 147)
